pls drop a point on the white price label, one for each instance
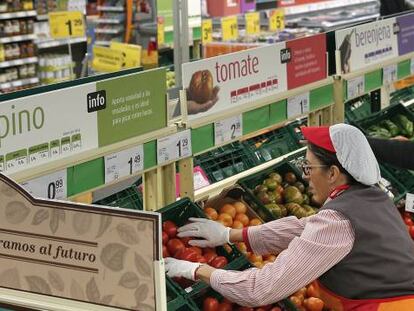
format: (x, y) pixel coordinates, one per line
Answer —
(390, 74)
(228, 129)
(40, 156)
(409, 202)
(16, 163)
(124, 163)
(53, 186)
(174, 147)
(65, 148)
(412, 66)
(298, 105)
(356, 87)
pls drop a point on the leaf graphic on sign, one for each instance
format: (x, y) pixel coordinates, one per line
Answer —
(104, 225)
(40, 216)
(127, 234)
(142, 267)
(113, 256)
(82, 222)
(56, 281)
(8, 191)
(10, 278)
(61, 215)
(129, 280)
(16, 212)
(144, 307)
(107, 299)
(141, 225)
(54, 221)
(92, 291)
(141, 293)
(76, 291)
(38, 285)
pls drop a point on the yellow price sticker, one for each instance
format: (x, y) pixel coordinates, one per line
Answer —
(277, 20)
(131, 53)
(66, 24)
(207, 30)
(229, 28)
(252, 23)
(160, 30)
(107, 60)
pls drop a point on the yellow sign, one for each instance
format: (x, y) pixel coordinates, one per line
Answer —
(66, 24)
(207, 30)
(229, 28)
(252, 23)
(107, 60)
(277, 20)
(160, 31)
(132, 53)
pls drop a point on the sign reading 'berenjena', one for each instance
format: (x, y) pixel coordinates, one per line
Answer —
(86, 253)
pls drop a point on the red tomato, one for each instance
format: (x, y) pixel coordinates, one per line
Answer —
(267, 307)
(411, 231)
(209, 250)
(275, 309)
(196, 249)
(210, 304)
(210, 257)
(174, 245)
(313, 304)
(189, 255)
(165, 252)
(186, 240)
(201, 259)
(170, 228)
(225, 306)
(219, 262)
(244, 309)
(408, 221)
(406, 214)
(164, 238)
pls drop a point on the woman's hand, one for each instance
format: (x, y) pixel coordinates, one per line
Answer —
(181, 268)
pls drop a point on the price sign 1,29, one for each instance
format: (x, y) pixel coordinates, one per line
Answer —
(66, 24)
(174, 147)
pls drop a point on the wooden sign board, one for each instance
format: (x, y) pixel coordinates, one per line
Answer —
(103, 257)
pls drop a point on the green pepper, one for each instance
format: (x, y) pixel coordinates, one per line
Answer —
(391, 127)
(405, 125)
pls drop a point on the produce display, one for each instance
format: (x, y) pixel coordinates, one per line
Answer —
(170, 79)
(307, 298)
(398, 125)
(213, 304)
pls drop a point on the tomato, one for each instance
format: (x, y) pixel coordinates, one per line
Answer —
(244, 309)
(225, 306)
(266, 308)
(186, 240)
(312, 291)
(209, 250)
(174, 245)
(184, 283)
(411, 231)
(210, 257)
(313, 304)
(275, 309)
(210, 304)
(406, 215)
(196, 249)
(219, 262)
(300, 297)
(201, 259)
(189, 255)
(408, 221)
(165, 252)
(170, 228)
(296, 301)
(165, 238)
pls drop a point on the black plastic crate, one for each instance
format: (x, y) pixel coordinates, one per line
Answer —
(129, 198)
(358, 108)
(225, 161)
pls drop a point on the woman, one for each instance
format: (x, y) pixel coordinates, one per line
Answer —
(357, 246)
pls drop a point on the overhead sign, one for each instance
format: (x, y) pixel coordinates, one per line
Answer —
(49, 126)
(221, 83)
(91, 254)
(406, 34)
(66, 24)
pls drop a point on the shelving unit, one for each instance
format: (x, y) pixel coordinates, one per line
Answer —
(18, 62)
(48, 43)
(18, 38)
(21, 14)
(17, 83)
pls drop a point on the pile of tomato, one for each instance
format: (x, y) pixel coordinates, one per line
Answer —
(213, 304)
(409, 223)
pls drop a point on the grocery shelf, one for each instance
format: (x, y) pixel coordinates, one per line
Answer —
(42, 17)
(102, 42)
(18, 83)
(19, 14)
(18, 62)
(109, 21)
(55, 68)
(323, 5)
(111, 8)
(110, 31)
(48, 43)
(17, 38)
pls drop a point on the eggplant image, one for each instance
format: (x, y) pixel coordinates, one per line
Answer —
(345, 51)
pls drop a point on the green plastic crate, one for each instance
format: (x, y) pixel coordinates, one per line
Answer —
(358, 108)
(129, 198)
(179, 212)
(272, 145)
(294, 128)
(176, 300)
(225, 161)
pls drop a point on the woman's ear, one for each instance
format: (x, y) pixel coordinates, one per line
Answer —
(334, 173)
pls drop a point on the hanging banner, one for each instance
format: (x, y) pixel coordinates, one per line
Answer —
(49, 126)
(406, 34)
(367, 44)
(91, 254)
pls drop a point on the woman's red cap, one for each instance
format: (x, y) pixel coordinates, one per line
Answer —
(319, 136)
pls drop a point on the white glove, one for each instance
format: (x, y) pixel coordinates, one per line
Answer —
(213, 233)
(181, 268)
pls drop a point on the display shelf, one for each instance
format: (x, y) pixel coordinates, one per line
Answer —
(102, 42)
(53, 68)
(17, 38)
(109, 21)
(57, 80)
(49, 43)
(108, 31)
(323, 5)
(19, 14)
(111, 8)
(18, 83)
(18, 62)
(42, 17)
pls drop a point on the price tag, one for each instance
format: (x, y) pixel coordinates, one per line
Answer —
(228, 129)
(252, 23)
(298, 105)
(390, 74)
(54, 148)
(355, 87)
(412, 66)
(160, 30)
(277, 20)
(200, 180)
(229, 28)
(124, 163)
(409, 202)
(207, 30)
(174, 147)
(66, 24)
(53, 186)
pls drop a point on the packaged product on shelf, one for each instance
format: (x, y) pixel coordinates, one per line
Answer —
(2, 53)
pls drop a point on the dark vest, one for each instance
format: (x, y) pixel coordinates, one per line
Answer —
(381, 262)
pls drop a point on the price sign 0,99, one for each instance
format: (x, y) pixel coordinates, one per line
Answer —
(229, 28)
(207, 30)
(228, 129)
(51, 186)
(124, 163)
(252, 23)
(277, 20)
(66, 24)
(174, 147)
